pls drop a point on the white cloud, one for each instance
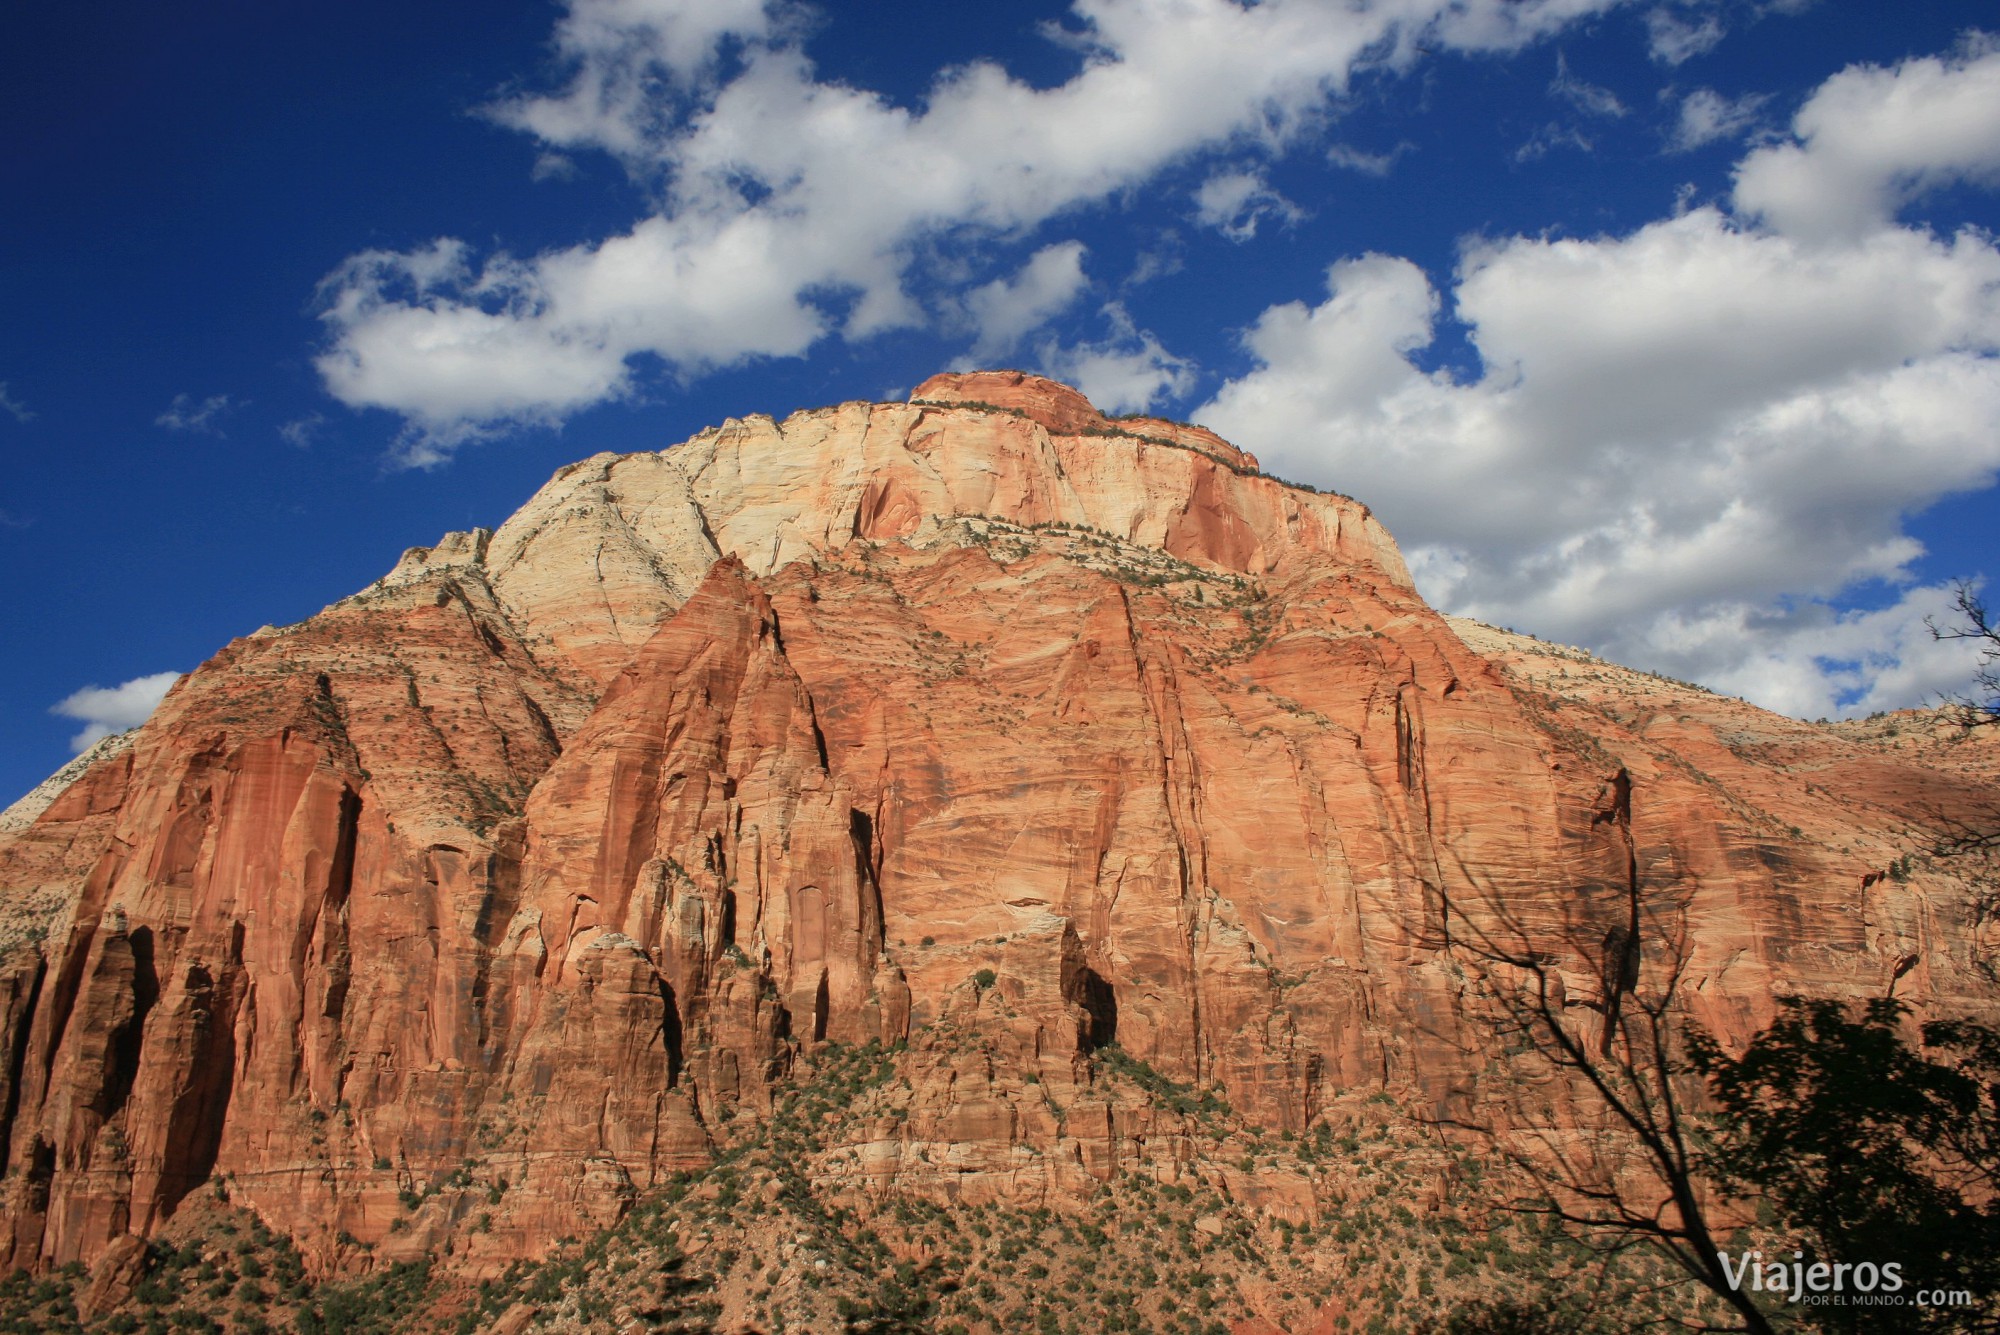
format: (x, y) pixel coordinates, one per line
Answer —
(1551, 137)
(109, 709)
(1707, 117)
(1474, 25)
(1678, 35)
(1368, 164)
(13, 407)
(1234, 202)
(552, 166)
(1160, 260)
(791, 208)
(299, 432)
(1811, 662)
(1683, 442)
(203, 418)
(1870, 140)
(1679, 30)
(1589, 98)
(1007, 309)
(1127, 372)
(627, 60)
(453, 364)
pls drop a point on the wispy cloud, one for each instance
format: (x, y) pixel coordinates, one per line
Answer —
(1234, 202)
(300, 432)
(1164, 258)
(1551, 137)
(12, 406)
(1679, 30)
(1707, 117)
(1675, 36)
(203, 417)
(1368, 164)
(1589, 98)
(553, 167)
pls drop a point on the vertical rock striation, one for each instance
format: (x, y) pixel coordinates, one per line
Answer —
(977, 714)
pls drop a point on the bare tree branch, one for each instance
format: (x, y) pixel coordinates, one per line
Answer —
(1975, 623)
(1596, 1122)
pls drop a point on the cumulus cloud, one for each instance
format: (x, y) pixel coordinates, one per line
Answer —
(1707, 117)
(1684, 443)
(108, 709)
(791, 208)
(1007, 309)
(1691, 418)
(203, 417)
(456, 354)
(12, 406)
(1872, 139)
(1234, 202)
(630, 62)
(1807, 660)
(1128, 372)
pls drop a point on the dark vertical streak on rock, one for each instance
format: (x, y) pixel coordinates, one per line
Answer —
(1619, 964)
(821, 1002)
(333, 914)
(127, 1039)
(670, 1031)
(23, 992)
(197, 1115)
(867, 869)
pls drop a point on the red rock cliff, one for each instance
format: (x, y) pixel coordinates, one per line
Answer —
(550, 849)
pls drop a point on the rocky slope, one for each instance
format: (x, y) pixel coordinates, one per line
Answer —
(979, 724)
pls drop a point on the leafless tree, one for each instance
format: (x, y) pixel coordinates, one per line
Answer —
(1976, 837)
(1981, 709)
(1594, 1109)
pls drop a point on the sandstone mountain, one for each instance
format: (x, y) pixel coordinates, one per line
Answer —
(543, 859)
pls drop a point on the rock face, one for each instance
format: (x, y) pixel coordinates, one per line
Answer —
(538, 860)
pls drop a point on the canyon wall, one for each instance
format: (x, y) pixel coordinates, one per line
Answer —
(536, 862)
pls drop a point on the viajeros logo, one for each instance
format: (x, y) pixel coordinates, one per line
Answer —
(1839, 1283)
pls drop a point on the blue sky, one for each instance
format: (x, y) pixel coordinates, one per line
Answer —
(1666, 327)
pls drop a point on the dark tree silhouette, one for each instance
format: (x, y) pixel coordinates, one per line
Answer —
(1872, 1150)
(1982, 708)
(1633, 1129)
(1597, 1111)
(1974, 838)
